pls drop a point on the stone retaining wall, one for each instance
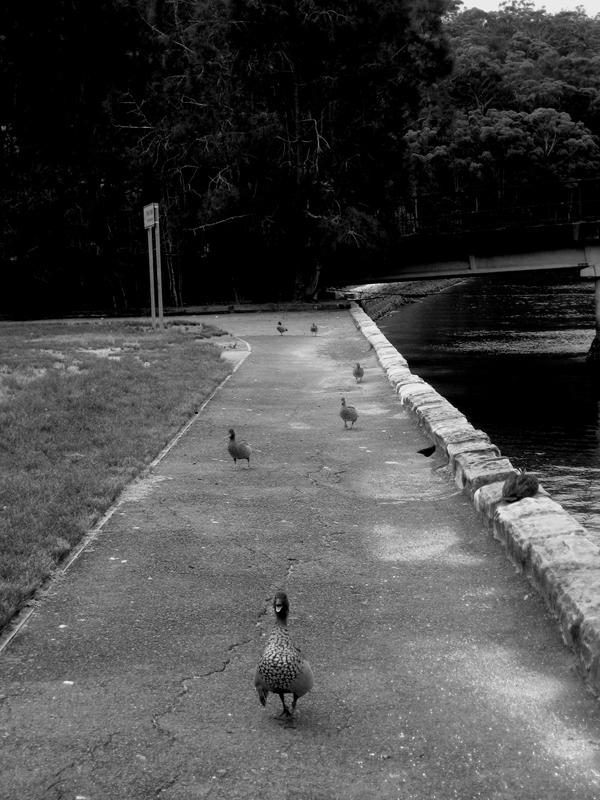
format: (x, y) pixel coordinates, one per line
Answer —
(540, 537)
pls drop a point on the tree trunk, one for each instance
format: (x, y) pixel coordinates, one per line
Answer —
(311, 291)
(593, 357)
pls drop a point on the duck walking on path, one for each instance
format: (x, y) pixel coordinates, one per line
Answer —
(281, 668)
(241, 450)
(348, 414)
(358, 372)
(281, 328)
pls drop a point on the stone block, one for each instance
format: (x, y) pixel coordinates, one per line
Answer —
(479, 445)
(536, 506)
(421, 396)
(564, 551)
(573, 596)
(437, 418)
(430, 402)
(397, 374)
(380, 341)
(472, 470)
(414, 390)
(465, 433)
(522, 530)
(390, 362)
(400, 367)
(407, 380)
(587, 646)
(487, 497)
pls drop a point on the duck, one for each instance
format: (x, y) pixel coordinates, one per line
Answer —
(282, 669)
(519, 485)
(281, 328)
(241, 450)
(358, 372)
(348, 414)
(313, 329)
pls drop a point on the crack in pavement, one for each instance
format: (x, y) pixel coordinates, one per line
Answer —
(185, 688)
(76, 762)
(166, 785)
(226, 662)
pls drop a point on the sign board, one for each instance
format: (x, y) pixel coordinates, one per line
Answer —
(150, 215)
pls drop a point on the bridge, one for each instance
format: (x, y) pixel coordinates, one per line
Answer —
(538, 228)
(585, 258)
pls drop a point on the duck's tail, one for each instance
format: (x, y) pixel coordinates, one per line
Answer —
(262, 695)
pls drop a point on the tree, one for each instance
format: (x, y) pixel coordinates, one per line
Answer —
(323, 96)
(518, 111)
(62, 170)
(180, 122)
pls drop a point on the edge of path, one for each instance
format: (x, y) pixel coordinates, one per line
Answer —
(541, 539)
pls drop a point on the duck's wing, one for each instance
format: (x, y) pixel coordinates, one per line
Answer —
(304, 681)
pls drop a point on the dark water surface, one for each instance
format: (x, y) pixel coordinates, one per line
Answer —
(510, 354)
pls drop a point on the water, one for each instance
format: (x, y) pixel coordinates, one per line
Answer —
(510, 354)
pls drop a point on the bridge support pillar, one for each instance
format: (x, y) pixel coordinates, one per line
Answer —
(593, 271)
(594, 353)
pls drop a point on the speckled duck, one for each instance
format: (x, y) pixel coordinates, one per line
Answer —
(282, 669)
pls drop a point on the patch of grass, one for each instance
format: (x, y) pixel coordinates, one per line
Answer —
(84, 407)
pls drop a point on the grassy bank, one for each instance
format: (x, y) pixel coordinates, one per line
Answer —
(84, 407)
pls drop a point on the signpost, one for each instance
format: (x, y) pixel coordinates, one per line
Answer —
(152, 225)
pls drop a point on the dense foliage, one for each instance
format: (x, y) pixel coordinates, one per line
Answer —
(286, 142)
(517, 123)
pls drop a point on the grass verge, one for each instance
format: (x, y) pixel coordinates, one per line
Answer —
(84, 407)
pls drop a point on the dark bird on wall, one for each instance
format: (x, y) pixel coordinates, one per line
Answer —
(520, 485)
(282, 669)
(238, 450)
(358, 372)
(313, 329)
(348, 414)
(281, 328)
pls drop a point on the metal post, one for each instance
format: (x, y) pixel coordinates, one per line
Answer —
(158, 270)
(592, 257)
(597, 306)
(151, 265)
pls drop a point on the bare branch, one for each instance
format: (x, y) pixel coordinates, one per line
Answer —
(166, 36)
(218, 222)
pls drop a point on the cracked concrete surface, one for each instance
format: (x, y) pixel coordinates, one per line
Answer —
(438, 673)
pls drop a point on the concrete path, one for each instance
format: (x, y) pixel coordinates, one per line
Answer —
(438, 673)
